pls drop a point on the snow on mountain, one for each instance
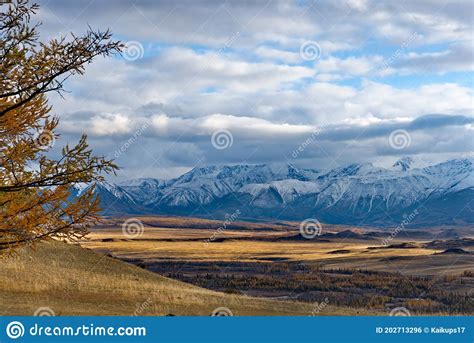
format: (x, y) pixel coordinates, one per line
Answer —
(348, 194)
(79, 188)
(144, 189)
(453, 175)
(114, 199)
(115, 190)
(143, 182)
(289, 190)
(403, 164)
(202, 185)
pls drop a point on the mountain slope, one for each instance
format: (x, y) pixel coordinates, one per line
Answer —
(353, 194)
(114, 199)
(201, 186)
(76, 281)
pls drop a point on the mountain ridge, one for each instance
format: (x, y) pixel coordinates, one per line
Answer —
(356, 194)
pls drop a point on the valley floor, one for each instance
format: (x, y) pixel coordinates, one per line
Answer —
(427, 271)
(248, 268)
(64, 279)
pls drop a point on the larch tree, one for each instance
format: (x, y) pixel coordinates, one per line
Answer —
(35, 201)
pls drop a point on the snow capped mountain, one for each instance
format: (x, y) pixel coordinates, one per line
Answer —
(288, 190)
(79, 188)
(203, 185)
(144, 182)
(114, 199)
(453, 175)
(103, 187)
(352, 194)
(143, 190)
(403, 164)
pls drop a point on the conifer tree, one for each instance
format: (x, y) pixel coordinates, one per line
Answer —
(35, 202)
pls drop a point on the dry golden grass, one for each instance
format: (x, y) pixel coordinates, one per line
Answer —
(74, 281)
(165, 233)
(435, 265)
(196, 223)
(151, 245)
(188, 244)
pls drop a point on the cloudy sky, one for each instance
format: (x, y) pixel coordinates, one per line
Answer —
(314, 83)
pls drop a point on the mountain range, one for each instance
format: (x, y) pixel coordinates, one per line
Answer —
(355, 194)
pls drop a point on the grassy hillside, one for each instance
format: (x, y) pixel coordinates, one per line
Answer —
(71, 280)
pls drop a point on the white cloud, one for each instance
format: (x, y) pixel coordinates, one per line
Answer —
(277, 54)
(246, 126)
(108, 124)
(176, 81)
(230, 65)
(351, 66)
(349, 23)
(457, 58)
